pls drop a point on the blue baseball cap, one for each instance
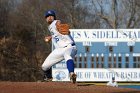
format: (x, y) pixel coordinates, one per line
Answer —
(50, 13)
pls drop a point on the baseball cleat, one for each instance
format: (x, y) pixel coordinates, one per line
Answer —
(73, 78)
(48, 79)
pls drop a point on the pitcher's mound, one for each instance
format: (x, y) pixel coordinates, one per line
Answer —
(59, 87)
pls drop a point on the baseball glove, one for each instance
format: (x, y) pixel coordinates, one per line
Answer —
(63, 29)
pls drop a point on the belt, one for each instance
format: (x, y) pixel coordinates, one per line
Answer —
(73, 44)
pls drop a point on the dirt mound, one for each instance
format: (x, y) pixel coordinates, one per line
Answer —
(59, 87)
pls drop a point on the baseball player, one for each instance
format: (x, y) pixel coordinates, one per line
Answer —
(65, 48)
(112, 83)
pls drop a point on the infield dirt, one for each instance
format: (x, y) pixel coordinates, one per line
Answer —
(59, 87)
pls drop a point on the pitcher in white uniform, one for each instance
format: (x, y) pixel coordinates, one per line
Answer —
(65, 48)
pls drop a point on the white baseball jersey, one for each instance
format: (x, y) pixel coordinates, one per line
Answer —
(58, 39)
(65, 47)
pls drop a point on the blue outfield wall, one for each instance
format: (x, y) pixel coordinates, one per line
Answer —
(98, 55)
(103, 54)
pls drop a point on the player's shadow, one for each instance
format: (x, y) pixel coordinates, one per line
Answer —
(85, 84)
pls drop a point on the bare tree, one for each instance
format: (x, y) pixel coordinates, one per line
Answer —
(117, 13)
(24, 47)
